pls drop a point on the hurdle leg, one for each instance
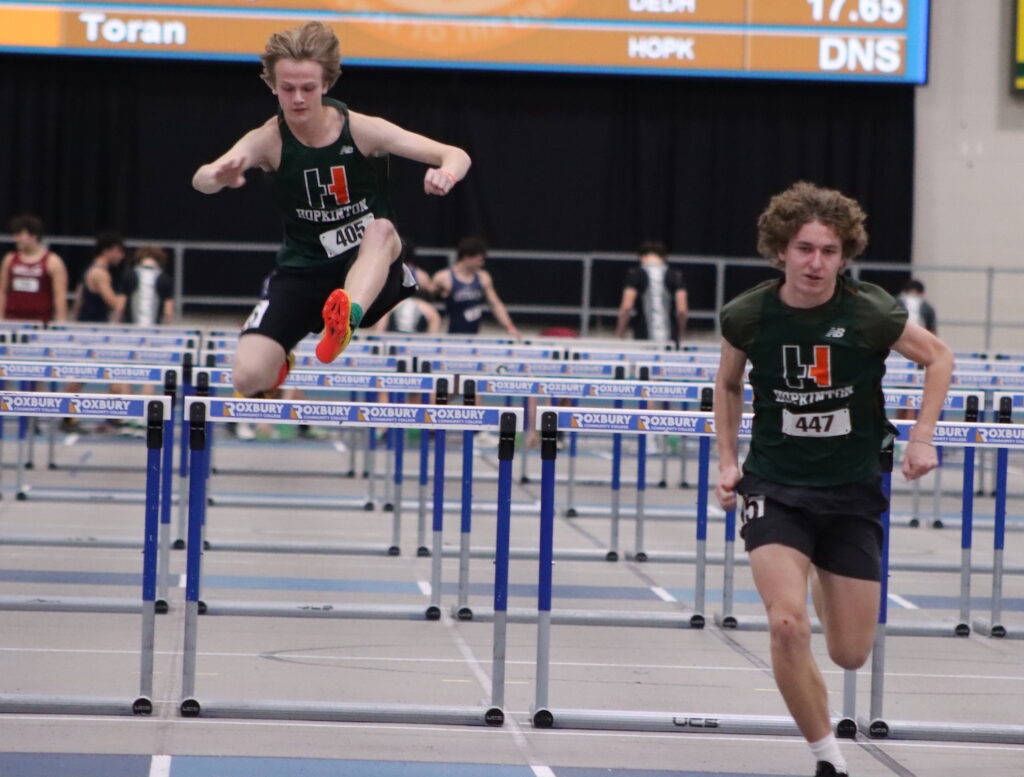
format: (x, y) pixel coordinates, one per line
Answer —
(700, 570)
(154, 445)
(463, 612)
(506, 450)
(613, 539)
(421, 518)
(434, 610)
(639, 554)
(524, 475)
(197, 439)
(963, 628)
(994, 627)
(875, 726)
(570, 495)
(389, 469)
(937, 494)
(370, 468)
(542, 717)
(726, 619)
(22, 464)
(396, 518)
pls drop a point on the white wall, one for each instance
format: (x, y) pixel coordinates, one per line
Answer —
(969, 179)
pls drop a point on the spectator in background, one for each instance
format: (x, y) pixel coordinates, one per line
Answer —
(148, 288)
(467, 290)
(33, 279)
(919, 310)
(98, 298)
(654, 298)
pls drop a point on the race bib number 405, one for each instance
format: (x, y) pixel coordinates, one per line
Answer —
(835, 423)
(340, 239)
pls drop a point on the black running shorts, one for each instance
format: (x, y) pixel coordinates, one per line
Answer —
(839, 529)
(292, 299)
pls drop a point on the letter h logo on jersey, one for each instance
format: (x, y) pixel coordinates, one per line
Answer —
(317, 191)
(803, 375)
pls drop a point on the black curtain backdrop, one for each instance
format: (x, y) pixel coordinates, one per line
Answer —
(561, 162)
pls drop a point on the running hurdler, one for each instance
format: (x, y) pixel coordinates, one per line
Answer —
(811, 484)
(338, 227)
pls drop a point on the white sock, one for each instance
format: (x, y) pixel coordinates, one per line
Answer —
(827, 749)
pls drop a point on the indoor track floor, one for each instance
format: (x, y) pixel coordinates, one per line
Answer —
(692, 672)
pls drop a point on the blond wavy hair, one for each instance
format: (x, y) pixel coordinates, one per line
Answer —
(312, 40)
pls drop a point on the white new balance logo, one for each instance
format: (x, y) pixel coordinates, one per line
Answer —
(346, 150)
(836, 332)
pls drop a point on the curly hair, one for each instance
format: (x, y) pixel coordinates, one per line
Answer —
(804, 202)
(312, 40)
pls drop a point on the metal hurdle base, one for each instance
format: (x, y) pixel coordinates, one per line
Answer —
(880, 728)
(924, 629)
(37, 494)
(74, 705)
(70, 604)
(998, 630)
(344, 713)
(323, 548)
(665, 620)
(681, 722)
(74, 542)
(322, 610)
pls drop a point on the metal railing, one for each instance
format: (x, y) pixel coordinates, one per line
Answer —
(583, 307)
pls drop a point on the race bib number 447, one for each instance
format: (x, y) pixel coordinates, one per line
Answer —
(835, 423)
(340, 239)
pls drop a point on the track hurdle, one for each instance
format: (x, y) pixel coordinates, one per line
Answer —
(969, 402)
(167, 377)
(969, 436)
(543, 714)
(438, 418)
(154, 412)
(993, 626)
(333, 382)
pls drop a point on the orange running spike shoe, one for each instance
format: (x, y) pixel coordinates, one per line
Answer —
(337, 327)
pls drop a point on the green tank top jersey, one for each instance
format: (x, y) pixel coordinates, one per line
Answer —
(326, 197)
(819, 412)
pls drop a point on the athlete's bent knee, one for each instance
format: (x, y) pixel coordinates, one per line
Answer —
(249, 382)
(849, 656)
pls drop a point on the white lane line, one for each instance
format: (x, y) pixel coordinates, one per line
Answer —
(905, 603)
(181, 581)
(424, 587)
(542, 771)
(662, 594)
(160, 766)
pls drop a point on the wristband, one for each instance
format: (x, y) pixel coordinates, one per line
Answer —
(450, 175)
(922, 442)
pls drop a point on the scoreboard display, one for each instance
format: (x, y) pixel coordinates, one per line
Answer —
(860, 40)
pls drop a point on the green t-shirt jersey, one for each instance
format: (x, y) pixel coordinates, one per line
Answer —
(819, 412)
(326, 197)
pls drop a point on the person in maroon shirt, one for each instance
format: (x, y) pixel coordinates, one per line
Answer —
(33, 280)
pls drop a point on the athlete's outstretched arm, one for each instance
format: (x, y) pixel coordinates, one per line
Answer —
(448, 164)
(728, 414)
(921, 346)
(251, 150)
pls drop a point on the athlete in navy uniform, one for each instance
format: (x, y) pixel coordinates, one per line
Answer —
(467, 290)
